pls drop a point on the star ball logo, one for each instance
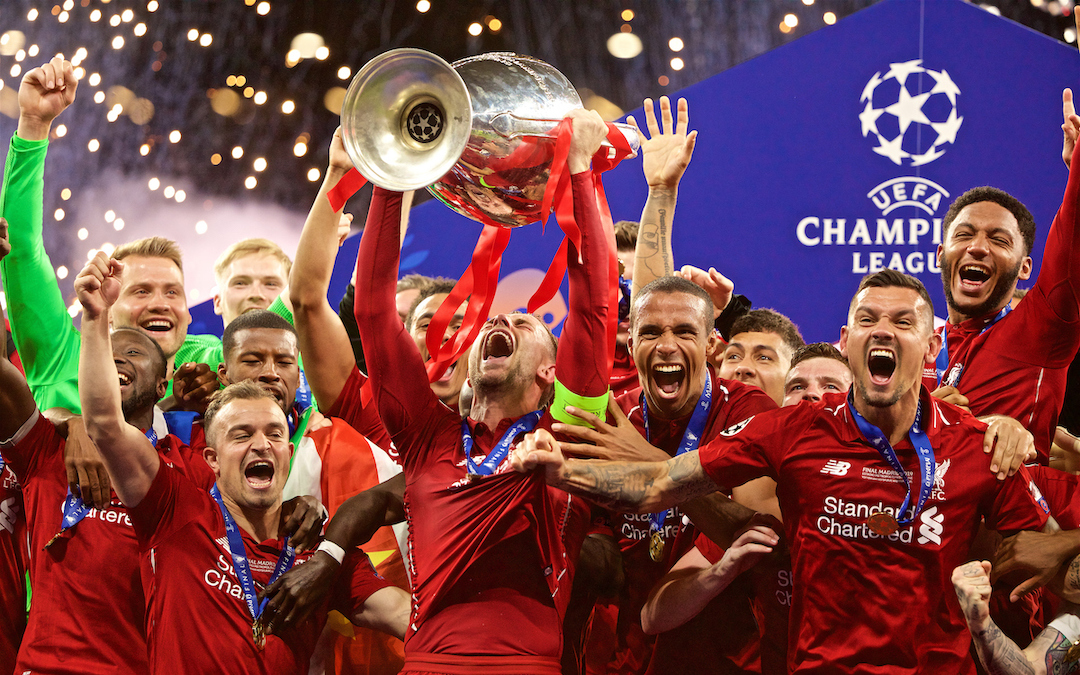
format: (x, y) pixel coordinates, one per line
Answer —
(911, 112)
(903, 118)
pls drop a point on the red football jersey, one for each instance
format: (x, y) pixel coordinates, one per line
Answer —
(196, 617)
(12, 569)
(1018, 366)
(860, 598)
(731, 402)
(87, 610)
(491, 559)
(624, 375)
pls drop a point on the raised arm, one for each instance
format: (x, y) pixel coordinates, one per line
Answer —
(666, 154)
(47, 341)
(398, 379)
(637, 487)
(324, 342)
(582, 363)
(16, 403)
(998, 653)
(130, 457)
(1059, 275)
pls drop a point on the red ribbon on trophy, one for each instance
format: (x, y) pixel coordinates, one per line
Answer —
(480, 279)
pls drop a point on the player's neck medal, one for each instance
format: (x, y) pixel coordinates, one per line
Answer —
(690, 441)
(885, 524)
(882, 524)
(258, 635)
(656, 546)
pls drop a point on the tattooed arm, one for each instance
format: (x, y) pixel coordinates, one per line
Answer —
(639, 487)
(999, 654)
(665, 156)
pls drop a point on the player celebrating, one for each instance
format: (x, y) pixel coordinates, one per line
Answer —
(860, 548)
(492, 552)
(986, 248)
(200, 591)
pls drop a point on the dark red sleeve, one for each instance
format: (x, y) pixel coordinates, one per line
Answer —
(1014, 505)
(1062, 492)
(357, 581)
(360, 414)
(583, 362)
(32, 451)
(171, 502)
(1059, 276)
(709, 549)
(753, 447)
(399, 382)
(745, 401)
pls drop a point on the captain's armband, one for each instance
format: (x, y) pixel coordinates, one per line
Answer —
(597, 405)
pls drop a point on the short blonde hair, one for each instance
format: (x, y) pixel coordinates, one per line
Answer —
(151, 247)
(246, 247)
(247, 390)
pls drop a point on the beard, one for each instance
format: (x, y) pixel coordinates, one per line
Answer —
(1003, 289)
(138, 401)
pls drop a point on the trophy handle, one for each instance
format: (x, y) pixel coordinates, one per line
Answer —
(508, 125)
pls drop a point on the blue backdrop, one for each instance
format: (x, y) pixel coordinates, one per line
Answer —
(832, 156)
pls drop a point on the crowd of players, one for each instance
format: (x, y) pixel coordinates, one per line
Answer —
(704, 494)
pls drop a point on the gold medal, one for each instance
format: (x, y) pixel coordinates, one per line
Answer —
(882, 524)
(656, 546)
(1073, 654)
(258, 635)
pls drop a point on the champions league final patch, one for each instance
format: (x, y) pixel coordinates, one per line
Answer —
(737, 427)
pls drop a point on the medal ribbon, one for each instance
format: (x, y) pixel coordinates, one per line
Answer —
(942, 365)
(690, 441)
(487, 467)
(240, 561)
(74, 509)
(922, 446)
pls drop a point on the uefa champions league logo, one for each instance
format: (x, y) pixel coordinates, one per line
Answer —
(911, 111)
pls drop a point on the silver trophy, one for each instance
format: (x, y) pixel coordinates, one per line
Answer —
(476, 133)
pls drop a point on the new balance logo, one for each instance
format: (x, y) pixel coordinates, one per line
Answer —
(835, 467)
(931, 527)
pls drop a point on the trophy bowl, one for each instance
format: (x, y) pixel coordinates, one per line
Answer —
(477, 133)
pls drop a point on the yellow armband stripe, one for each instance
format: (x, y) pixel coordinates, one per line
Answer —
(597, 405)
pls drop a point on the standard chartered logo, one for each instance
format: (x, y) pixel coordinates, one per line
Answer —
(931, 525)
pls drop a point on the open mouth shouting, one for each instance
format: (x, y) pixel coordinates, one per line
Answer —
(125, 379)
(259, 473)
(881, 364)
(669, 379)
(973, 278)
(498, 346)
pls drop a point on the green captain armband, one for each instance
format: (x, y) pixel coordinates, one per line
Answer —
(596, 405)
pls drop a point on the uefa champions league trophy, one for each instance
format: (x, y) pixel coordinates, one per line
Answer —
(476, 133)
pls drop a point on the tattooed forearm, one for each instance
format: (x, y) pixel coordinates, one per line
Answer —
(653, 257)
(1072, 579)
(1056, 649)
(641, 487)
(999, 654)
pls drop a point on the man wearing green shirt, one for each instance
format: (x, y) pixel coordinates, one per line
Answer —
(152, 298)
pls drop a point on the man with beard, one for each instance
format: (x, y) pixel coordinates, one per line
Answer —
(996, 361)
(871, 575)
(492, 552)
(87, 612)
(199, 591)
(681, 403)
